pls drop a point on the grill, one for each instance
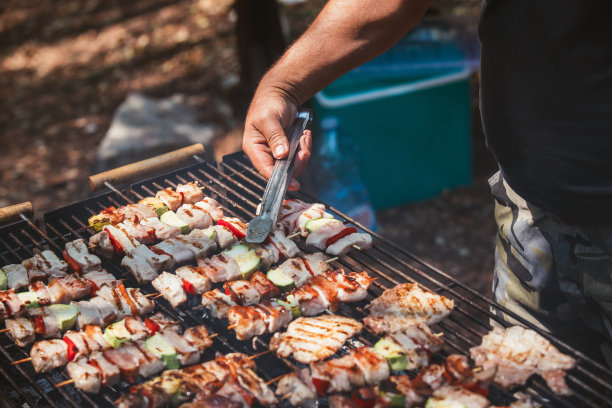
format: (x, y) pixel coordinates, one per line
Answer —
(238, 187)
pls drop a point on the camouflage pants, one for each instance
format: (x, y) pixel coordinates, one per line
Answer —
(556, 275)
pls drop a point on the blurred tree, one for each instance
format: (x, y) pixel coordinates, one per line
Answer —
(259, 37)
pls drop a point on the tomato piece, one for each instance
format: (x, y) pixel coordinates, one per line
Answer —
(237, 233)
(39, 325)
(188, 286)
(320, 385)
(116, 244)
(71, 348)
(152, 326)
(76, 268)
(182, 197)
(341, 234)
(364, 397)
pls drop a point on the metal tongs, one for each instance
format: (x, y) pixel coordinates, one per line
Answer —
(268, 210)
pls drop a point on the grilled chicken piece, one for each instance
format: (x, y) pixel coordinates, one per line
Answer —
(199, 247)
(313, 299)
(139, 266)
(194, 216)
(124, 242)
(48, 325)
(83, 344)
(237, 224)
(48, 354)
(58, 291)
(196, 277)
(212, 401)
(352, 286)
(266, 288)
(225, 237)
(298, 385)
(128, 359)
(11, 305)
(44, 298)
(34, 274)
(78, 251)
(136, 328)
(21, 330)
(267, 254)
(150, 364)
(50, 264)
(171, 198)
(17, 276)
(405, 304)
(460, 396)
(342, 373)
(198, 337)
(518, 353)
(220, 268)
(212, 207)
(314, 338)
(102, 244)
(165, 323)
(289, 213)
(101, 278)
(373, 365)
(247, 320)
(109, 373)
(275, 316)
(287, 247)
(77, 288)
(177, 249)
(217, 302)
(136, 211)
(86, 377)
(418, 343)
(97, 312)
(404, 385)
(318, 238)
(254, 386)
(171, 288)
(343, 245)
(187, 354)
(192, 193)
(162, 230)
(316, 264)
(242, 292)
(143, 305)
(297, 270)
(201, 237)
(141, 233)
(311, 213)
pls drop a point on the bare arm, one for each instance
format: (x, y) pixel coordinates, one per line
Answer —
(346, 34)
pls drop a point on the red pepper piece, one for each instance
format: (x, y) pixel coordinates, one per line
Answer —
(71, 348)
(128, 300)
(116, 244)
(39, 325)
(364, 397)
(188, 286)
(76, 268)
(307, 266)
(341, 234)
(237, 233)
(94, 288)
(152, 326)
(320, 385)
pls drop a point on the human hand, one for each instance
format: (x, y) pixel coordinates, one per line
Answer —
(264, 139)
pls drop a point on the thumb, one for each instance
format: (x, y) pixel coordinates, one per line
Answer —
(275, 135)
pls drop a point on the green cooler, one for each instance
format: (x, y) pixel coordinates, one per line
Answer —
(413, 131)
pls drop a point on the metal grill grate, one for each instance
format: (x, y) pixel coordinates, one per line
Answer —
(238, 187)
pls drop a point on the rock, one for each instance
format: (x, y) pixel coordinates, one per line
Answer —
(144, 127)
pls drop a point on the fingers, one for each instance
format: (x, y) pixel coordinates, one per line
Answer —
(275, 135)
(303, 155)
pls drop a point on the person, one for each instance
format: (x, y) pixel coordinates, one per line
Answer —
(546, 108)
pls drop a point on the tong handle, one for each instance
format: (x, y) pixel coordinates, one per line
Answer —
(143, 167)
(283, 169)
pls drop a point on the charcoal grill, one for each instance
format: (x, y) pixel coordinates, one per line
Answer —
(238, 187)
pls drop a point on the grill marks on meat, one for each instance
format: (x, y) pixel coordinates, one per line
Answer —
(403, 305)
(314, 338)
(517, 353)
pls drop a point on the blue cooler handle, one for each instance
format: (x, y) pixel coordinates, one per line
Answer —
(360, 97)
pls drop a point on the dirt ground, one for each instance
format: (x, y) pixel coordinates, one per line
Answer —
(66, 66)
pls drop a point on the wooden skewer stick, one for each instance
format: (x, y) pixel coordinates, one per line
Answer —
(23, 360)
(4, 330)
(439, 334)
(151, 295)
(272, 381)
(212, 336)
(254, 356)
(286, 396)
(198, 307)
(477, 369)
(295, 234)
(158, 295)
(357, 247)
(64, 383)
(233, 326)
(330, 260)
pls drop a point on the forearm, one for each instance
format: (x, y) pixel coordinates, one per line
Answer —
(346, 34)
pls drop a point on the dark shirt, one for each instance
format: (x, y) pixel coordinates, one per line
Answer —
(546, 102)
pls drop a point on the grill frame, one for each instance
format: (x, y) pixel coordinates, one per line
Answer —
(238, 187)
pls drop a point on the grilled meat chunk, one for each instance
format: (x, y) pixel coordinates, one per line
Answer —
(217, 302)
(247, 320)
(460, 396)
(287, 247)
(171, 198)
(212, 207)
(48, 354)
(50, 264)
(517, 353)
(242, 292)
(318, 238)
(314, 338)
(198, 337)
(11, 305)
(266, 288)
(17, 276)
(192, 193)
(21, 330)
(162, 230)
(171, 288)
(225, 238)
(194, 216)
(220, 268)
(343, 245)
(298, 385)
(86, 377)
(196, 277)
